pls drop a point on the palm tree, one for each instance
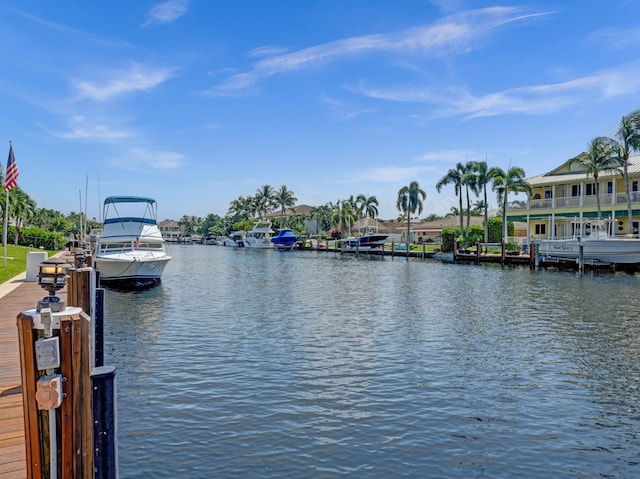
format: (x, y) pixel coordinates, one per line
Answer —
(368, 206)
(23, 208)
(263, 200)
(454, 176)
(503, 182)
(343, 215)
(600, 156)
(629, 139)
(483, 177)
(322, 214)
(241, 208)
(410, 200)
(469, 180)
(351, 211)
(284, 198)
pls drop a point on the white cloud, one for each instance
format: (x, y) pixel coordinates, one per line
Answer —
(344, 111)
(139, 158)
(531, 100)
(617, 39)
(453, 33)
(80, 128)
(136, 78)
(166, 12)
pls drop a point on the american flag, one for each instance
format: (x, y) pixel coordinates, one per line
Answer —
(11, 178)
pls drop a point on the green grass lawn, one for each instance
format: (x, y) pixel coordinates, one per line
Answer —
(16, 261)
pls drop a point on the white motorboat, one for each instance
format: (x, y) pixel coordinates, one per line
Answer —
(235, 238)
(130, 252)
(597, 244)
(259, 236)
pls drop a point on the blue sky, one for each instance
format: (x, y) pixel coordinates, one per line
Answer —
(195, 103)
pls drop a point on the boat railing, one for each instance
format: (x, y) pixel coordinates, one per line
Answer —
(119, 247)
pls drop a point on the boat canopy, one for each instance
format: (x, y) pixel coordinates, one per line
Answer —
(128, 199)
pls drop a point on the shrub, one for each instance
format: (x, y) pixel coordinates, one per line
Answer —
(36, 237)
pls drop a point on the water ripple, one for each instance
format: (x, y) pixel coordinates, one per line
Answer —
(259, 364)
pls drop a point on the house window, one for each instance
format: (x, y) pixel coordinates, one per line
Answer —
(541, 228)
(610, 187)
(575, 190)
(590, 189)
(547, 194)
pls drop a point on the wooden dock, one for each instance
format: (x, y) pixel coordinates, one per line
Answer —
(16, 296)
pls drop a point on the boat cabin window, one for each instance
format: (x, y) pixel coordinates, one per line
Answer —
(109, 247)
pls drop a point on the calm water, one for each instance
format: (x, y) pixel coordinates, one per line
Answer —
(262, 364)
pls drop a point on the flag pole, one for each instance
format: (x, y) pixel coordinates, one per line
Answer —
(4, 229)
(10, 181)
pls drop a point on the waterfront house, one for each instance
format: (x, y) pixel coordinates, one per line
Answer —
(170, 230)
(431, 231)
(567, 193)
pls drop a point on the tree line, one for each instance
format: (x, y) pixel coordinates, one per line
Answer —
(337, 218)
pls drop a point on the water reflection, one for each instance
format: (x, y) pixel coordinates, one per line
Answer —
(251, 363)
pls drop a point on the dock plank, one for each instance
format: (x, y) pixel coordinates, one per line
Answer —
(16, 296)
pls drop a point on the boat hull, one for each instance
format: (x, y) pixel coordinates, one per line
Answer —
(285, 239)
(609, 250)
(128, 271)
(261, 243)
(365, 242)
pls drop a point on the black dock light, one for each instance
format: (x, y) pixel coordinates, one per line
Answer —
(79, 256)
(52, 277)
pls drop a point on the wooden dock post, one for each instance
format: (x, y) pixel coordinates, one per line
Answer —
(29, 372)
(580, 257)
(532, 255)
(71, 415)
(62, 445)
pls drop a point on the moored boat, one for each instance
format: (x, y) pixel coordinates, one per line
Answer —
(235, 238)
(259, 236)
(130, 252)
(597, 244)
(285, 239)
(365, 242)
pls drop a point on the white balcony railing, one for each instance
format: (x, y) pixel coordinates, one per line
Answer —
(574, 202)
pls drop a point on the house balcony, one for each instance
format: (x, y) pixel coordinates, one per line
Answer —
(573, 202)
